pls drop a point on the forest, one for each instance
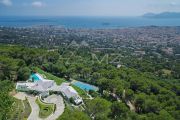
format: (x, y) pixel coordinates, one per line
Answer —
(141, 89)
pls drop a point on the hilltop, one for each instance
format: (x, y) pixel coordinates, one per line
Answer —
(162, 15)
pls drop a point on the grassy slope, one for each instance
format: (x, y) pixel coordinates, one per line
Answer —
(81, 92)
(27, 109)
(20, 110)
(45, 109)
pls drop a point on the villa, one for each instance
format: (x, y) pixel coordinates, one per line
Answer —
(35, 83)
(38, 83)
(69, 92)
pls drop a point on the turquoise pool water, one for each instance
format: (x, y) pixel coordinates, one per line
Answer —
(34, 77)
(85, 86)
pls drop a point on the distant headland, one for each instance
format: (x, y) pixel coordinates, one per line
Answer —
(162, 15)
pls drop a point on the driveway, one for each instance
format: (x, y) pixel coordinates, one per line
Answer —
(58, 100)
(55, 99)
(34, 109)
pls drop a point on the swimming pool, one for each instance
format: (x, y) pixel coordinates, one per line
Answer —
(85, 86)
(34, 77)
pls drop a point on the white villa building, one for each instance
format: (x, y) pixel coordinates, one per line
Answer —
(70, 92)
(43, 86)
(40, 85)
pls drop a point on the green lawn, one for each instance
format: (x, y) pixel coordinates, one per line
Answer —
(20, 110)
(167, 72)
(51, 77)
(45, 109)
(27, 108)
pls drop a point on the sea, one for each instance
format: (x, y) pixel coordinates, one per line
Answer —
(86, 22)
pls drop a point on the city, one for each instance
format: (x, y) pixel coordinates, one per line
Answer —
(82, 60)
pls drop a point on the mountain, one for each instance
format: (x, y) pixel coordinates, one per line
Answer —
(162, 15)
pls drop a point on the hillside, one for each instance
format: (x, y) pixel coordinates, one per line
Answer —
(153, 95)
(162, 15)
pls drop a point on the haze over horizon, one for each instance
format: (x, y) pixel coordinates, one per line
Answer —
(86, 7)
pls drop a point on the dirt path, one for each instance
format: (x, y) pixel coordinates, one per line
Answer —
(20, 95)
(131, 106)
(128, 103)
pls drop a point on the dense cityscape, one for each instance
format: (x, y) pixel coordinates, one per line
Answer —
(136, 70)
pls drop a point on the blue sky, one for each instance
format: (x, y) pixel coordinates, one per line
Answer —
(86, 7)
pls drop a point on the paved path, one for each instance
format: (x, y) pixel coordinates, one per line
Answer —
(55, 99)
(34, 109)
(58, 100)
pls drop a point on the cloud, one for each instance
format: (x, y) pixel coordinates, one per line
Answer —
(38, 4)
(173, 3)
(6, 2)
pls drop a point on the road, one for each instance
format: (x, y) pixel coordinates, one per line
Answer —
(34, 109)
(55, 99)
(58, 100)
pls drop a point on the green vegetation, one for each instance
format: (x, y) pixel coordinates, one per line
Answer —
(98, 108)
(11, 108)
(146, 83)
(50, 76)
(27, 108)
(6, 101)
(73, 115)
(45, 109)
(20, 110)
(93, 93)
(81, 92)
(119, 110)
